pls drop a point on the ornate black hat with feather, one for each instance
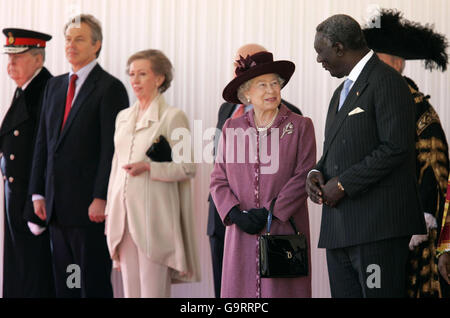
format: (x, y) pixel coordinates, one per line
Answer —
(394, 35)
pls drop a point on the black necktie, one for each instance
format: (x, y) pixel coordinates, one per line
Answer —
(18, 92)
(17, 95)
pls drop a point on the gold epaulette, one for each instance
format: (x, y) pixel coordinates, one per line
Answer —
(418, 96)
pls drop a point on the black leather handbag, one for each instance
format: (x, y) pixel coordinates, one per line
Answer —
(160, 150)
(282, 255)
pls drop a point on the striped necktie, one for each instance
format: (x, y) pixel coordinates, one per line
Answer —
(344, 92)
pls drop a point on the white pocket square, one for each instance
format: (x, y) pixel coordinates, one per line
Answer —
(357, 110)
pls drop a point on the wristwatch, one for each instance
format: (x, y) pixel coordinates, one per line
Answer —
(339, 184)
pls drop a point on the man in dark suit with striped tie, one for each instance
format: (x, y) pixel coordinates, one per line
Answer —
(365, 178)
(215, 227)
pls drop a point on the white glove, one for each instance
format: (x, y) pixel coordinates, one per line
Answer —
(35, 229)
(430, 220)
(431, 223)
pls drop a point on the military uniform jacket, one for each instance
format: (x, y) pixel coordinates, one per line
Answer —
(17, 137)
(432, 155)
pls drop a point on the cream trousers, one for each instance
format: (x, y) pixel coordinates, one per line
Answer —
(141, 277)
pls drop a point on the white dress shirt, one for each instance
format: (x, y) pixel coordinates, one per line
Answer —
(357, 69)
(82, 74)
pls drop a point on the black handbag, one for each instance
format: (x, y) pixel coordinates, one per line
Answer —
(160, 150)
(282, 255)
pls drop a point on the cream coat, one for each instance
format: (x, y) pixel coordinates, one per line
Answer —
(157, 204)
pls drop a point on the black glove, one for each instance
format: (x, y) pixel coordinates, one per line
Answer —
(252, 222)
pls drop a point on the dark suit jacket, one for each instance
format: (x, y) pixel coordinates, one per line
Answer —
(17, 137)
(215, 225)
(71, 167)
(373, 155)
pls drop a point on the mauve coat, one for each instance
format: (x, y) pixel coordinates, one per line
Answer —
(246, 185)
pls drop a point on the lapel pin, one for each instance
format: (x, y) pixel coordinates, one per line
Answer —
(357, 93)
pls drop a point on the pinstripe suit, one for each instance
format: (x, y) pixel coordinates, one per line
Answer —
(372, 154)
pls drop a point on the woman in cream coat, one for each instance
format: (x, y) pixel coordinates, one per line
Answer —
(149, 223)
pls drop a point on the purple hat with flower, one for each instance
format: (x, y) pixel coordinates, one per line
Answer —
(255, 65)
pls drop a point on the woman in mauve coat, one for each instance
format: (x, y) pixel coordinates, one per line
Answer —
(243, 183)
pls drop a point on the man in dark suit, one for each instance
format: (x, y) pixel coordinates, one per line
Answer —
(72, 161)
(366, 175)
(27, 270)
(215, 228)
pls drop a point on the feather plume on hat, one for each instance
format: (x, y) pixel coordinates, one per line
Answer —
(397, 36)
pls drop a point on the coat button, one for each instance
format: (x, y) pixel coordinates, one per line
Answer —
(336, 167)
(12, 157)
(11, 179)
(344, 141)
(16, 133)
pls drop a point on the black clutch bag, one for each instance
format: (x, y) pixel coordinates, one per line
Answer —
(282, 255)
(160, 150)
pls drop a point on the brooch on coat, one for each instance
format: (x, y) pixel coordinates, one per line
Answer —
(287, 130)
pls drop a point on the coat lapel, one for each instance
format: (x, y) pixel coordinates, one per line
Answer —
(154, 117)
(333, 125)
(18, 112)
(59, 102)
(152, 114)
(332, 110)
(87, 88)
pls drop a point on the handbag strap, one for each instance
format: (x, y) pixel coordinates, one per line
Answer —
(270, 216)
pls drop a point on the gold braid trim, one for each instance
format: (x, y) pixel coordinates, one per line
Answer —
(432, 153)
(429, 117)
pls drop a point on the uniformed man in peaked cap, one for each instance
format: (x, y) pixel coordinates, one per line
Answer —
(27, 270)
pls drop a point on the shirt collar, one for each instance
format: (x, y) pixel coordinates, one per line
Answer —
(85, 70)
(24, 86)
(357, 69)
(153, 112)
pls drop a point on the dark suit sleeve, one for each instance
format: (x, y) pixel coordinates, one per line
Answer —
(114, 100)
(38, 167)
(292, 108)
(319, 165)
(395, 126)
(223, 115)
(336, 94)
